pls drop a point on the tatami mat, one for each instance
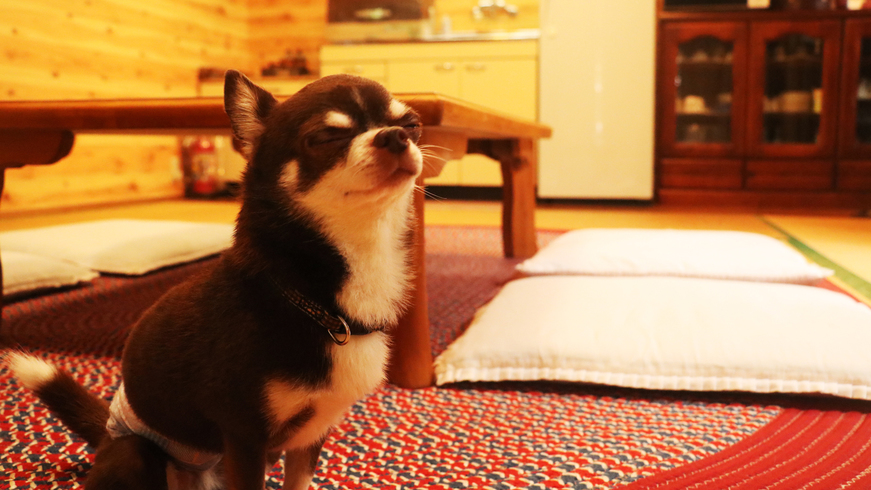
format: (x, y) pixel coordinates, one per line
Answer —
(842, 243)
(573, 217)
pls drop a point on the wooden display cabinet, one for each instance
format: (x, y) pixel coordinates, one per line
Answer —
(765, 109)
(854, 167)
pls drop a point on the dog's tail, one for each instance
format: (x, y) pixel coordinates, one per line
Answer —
(81, 411)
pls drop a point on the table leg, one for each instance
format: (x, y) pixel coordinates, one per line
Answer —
(29, 147)
(518, 158)
(411, 358)
(3, 341)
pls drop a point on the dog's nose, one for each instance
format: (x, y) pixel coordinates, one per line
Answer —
(395, 140)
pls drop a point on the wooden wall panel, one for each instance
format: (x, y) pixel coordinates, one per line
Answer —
(79, 49)
(54, 49)
(281, 26)
(101, 169)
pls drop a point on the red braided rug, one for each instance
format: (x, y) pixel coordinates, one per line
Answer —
(493, 436)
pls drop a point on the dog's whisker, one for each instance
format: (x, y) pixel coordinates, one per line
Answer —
(427, 193)
(431, 162)
(432, 154)
(428, 146)
(434, 157)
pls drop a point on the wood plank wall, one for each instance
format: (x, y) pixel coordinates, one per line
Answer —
(281, 26)
(79, 49)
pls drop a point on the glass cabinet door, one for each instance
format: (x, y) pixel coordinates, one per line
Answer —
(863, 94)
(855, 132)
(702, 60)
(793, 90)
(703, 108)
(792, 94)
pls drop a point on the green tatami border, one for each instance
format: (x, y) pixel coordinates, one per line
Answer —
(859, 285)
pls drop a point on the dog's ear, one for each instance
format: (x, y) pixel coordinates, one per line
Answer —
(247, 105)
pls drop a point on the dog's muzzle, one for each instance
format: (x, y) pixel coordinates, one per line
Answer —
(395, 140)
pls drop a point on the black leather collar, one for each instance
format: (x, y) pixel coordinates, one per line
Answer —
(338, 328)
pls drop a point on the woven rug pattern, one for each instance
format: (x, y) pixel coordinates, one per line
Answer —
(475, 436)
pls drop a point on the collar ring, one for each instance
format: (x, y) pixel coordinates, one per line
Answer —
(344, 331)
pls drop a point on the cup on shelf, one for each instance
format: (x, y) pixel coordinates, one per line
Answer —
(724, 101)
(771, 104)
(700, 56)
(694, 104)
(796, 101)
(864, 89)
(695, 133)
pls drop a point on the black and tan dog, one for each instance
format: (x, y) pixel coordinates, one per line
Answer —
(264, 352)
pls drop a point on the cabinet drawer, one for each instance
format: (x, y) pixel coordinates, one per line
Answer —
(854, 175)
(805, 175)
(684, 173)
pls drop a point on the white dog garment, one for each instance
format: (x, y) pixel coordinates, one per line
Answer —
(123, 422)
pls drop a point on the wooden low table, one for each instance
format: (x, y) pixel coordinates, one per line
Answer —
(43, 132)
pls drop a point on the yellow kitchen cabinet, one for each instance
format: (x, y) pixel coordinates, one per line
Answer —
(500, 75)
(375, 70)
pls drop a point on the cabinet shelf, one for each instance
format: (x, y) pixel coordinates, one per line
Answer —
(705, 65)
(791, 115)
(798, 63)
(703, 115)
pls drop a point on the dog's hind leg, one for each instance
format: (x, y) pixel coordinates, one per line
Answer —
(244, 463)
(299, 467)
(128, 463)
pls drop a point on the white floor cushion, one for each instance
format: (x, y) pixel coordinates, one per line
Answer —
(668, 333)
(24, 273)
(686, 253)
(123, 246)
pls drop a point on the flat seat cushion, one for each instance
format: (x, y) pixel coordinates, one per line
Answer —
(25, 273)
(686, 253)
(668, 333)
(123, 246)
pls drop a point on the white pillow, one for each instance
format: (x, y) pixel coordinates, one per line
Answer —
(687, 253)
(23, 272)
(123, 246)
(668, 333)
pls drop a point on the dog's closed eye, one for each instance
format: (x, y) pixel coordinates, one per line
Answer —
(330, 136)
(412, 126)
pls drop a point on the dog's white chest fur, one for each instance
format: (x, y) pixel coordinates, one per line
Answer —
(358, 369)
(371, 237)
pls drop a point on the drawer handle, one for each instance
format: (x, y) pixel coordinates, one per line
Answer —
(476, 67)
(446, 66)
(356, 69)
